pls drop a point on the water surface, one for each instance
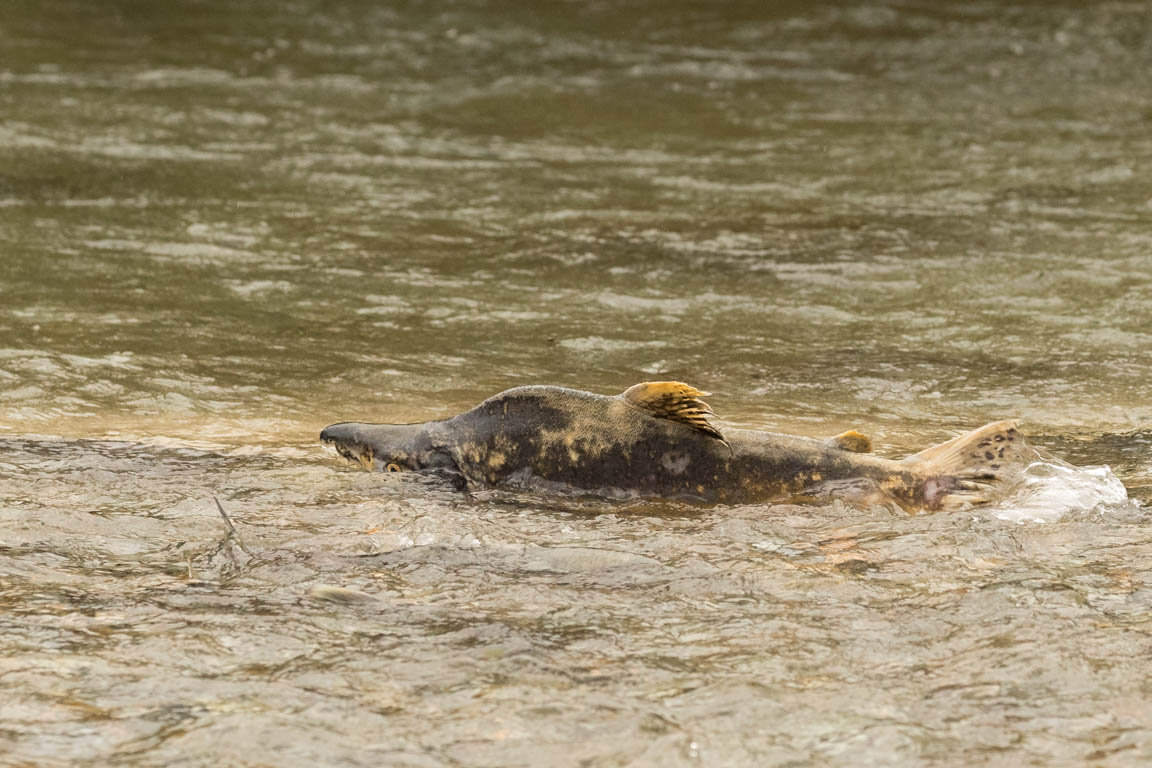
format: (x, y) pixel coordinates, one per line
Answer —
(226, 225)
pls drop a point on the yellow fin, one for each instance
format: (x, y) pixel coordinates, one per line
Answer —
(853, 441)
(675, 401)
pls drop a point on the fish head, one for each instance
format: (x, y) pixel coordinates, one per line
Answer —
(390, 447)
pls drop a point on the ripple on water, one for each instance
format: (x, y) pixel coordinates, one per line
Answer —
(1051, 490)
(363, 601)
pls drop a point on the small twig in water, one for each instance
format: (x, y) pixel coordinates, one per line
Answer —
(232, 532)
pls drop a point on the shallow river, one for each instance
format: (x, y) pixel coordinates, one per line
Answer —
(226, 225)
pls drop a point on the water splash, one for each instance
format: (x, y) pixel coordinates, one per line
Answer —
(1051, 490)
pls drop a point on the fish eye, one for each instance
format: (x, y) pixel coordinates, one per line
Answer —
(393, 467)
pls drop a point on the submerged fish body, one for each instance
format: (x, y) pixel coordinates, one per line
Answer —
(658, 440)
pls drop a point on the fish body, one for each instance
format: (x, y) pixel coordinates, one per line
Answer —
(659, 440)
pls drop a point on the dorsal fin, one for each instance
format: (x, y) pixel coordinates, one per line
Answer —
(853, 441)
(675, 401)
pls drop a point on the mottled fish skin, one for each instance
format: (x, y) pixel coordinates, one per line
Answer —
(553, 439)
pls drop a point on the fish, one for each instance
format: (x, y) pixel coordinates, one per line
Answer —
(660, 440)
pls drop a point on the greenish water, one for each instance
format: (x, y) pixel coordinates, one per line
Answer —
(226, 225)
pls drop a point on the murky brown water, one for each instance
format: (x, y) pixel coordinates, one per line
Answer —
(225, 225)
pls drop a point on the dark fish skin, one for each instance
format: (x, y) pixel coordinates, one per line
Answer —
(553, 439)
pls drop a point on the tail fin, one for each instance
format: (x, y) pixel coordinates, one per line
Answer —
(973, 468)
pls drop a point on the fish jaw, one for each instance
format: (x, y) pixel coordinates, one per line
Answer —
(351, 442)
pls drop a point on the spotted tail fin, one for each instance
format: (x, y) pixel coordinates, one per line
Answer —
(975, 467)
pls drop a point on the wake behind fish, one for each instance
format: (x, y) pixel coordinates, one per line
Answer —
(1050, 490)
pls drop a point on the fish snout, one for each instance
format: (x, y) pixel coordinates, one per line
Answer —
(348, 439)
(334, 433)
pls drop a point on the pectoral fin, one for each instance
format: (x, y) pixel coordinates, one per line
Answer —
(674, 401)
(853, 441)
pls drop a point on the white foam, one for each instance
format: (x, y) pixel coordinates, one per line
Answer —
(1050, 490)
